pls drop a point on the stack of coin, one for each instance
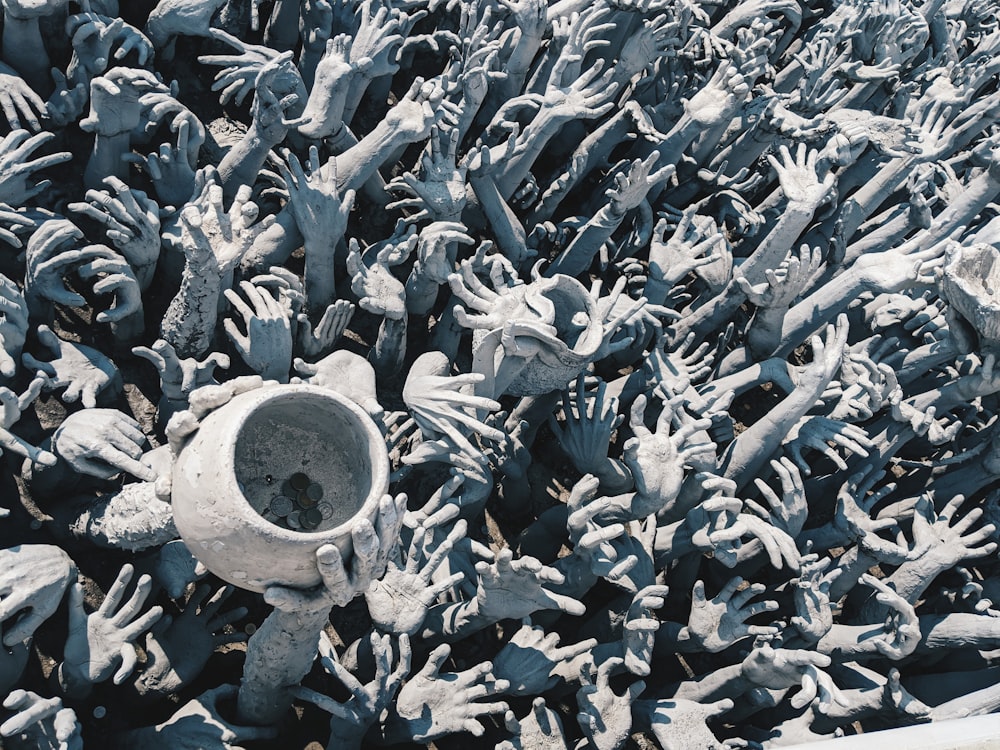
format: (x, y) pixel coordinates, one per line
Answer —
(300, 505)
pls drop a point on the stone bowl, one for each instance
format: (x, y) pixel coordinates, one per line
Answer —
(239, 459)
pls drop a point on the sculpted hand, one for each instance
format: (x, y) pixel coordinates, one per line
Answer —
(531, 660)
(199, 725)
(717, 623)
(657, 459)
(170, 168)
(177, 648)
(640, 627)
(97, 641)
(399, 600)
(102, 443)
(40, 723)
(172, 17)
(11, 408)
(373, 547)
(511, 588)
(605, 717)
(267, 345)
(179, 377)
(901, 631)
(48, 265)
(16, 166)
(83, 371)
(541, 729)
(350, 720)
(33, 578)
(439, 194)
(814, 616)
(19, 101)
(346, 373)
(441, 408)
(586, 434)
(13, 326)
(132, 223)
(379, 292)
(782, 668)
(679, 724)
(319, 341)
(432, 704)
(798, 176)
(790, 512)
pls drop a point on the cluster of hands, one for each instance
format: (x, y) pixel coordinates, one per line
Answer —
(762, 512)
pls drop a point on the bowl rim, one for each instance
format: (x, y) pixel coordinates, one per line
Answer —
(378, 458)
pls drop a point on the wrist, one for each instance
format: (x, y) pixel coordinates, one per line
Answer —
(72, 681)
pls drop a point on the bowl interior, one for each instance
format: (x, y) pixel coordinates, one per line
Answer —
(309, 434)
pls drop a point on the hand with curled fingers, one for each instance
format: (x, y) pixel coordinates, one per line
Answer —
(12, 407)
(67, 102)
(93, 36)
(531, 661)
(901, 632)
(267, 345)
(605, 717)
(717, 623)
(345, 579)
(39, 723)
(782, 668)
(399, 600)
(541, 729)
(350, 720)
(98, 641)
(102, 443)
(49, 263)
(179, 377)
(169, 168)
(18, 101)
(814, 611)
(82, 370)
(132, 223)
(640, 628)
(657, 459)
(33, 579)
(433, 703)
(17, 167)
(443, 409)
(177, 648)
(788, 513)
(13, 326)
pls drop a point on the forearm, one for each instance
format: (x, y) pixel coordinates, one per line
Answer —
(508, 231)
(279, 655)
(326, 104)
(24, 50)
(753, 447)
(190, 319)
(818, 308)
(531, 143)
(958, 630)
(779, 241)
(578, 256)
(911, 579)
(727, 682)
(846, 642)
(282, 31)
(320, 282)
(390, 346)
(106, 159)
(243, 162)
(672, 541)
(363, 159)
